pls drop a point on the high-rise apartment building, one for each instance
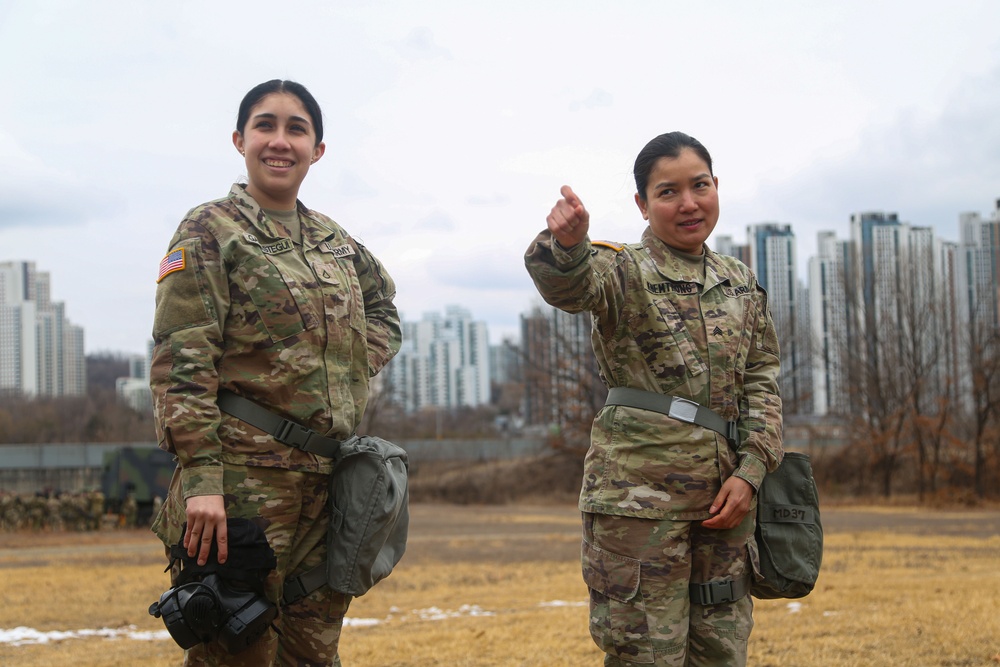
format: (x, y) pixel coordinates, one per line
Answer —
(830, 324)
(134, 389)
(772, 258)
(725, 245)
(882, 315)
(444, 362)
(978, 286)
(505, 361)
(41, 352)
(979, 261)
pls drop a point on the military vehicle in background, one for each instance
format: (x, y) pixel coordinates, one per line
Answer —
(143, 472)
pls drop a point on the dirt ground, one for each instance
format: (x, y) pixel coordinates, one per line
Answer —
(507, 579)
(440, 531)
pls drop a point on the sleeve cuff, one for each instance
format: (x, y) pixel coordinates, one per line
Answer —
(570, 257)
(752, 470)
(201, 481)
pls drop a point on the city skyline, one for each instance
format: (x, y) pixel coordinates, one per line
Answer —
(885, 275)
(726, 243)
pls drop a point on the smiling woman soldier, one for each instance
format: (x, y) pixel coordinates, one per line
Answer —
(264, 302)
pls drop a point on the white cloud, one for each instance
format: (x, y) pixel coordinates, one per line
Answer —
(598, 98)
(449, 128)
(419, 45)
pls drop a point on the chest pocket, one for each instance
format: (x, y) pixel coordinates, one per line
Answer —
(666, 346)
(729, 321)
(344, 301)
(281, 305)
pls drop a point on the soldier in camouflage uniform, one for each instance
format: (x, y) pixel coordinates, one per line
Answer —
(667, 503)
(130, 510)
(275, 302)
(96, 508)
(10, 511)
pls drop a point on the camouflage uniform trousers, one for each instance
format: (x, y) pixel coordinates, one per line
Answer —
(295, 510)
(638, 571)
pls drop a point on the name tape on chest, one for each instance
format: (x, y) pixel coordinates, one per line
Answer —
(669, 287)
(275, 248)
(738, 290)
(345, 250)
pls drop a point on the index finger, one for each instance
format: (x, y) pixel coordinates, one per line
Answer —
(570, 196)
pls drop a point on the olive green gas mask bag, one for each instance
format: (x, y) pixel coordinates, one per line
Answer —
(369, 519)
(369, 501)
(789, 533)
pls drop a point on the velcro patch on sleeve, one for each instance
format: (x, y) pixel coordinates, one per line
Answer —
(175, 260)
(182, 302)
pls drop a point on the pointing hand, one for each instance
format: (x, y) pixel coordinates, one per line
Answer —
(569, 220)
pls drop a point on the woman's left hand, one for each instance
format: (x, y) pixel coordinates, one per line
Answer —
(732, 504)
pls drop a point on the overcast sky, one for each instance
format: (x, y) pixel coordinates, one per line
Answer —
(450, 127)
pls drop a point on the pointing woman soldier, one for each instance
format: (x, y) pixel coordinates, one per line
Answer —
(685, 343)
(265, 303)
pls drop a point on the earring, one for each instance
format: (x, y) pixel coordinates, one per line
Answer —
(243, 154)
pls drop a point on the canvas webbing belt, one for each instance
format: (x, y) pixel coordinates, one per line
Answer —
(283, 430)
(717, 592)
(680, 409)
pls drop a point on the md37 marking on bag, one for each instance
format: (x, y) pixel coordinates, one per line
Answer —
(787, 514)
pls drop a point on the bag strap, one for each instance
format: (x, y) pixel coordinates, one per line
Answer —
(680, 409)
(283, 430)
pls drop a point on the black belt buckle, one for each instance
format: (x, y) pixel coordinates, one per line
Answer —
(293, 591)
(290, 433)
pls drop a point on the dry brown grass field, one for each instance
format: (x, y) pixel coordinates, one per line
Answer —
(500, 585)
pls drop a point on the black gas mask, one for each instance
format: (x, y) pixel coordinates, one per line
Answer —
(223, 603)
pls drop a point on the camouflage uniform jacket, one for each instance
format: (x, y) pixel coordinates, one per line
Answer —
(297, 329)
(660, 326)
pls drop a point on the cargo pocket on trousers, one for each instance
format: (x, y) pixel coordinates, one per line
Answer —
(618, 621)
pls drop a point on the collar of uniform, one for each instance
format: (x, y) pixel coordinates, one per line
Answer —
(716, 272)
(669, 265)
(249, 207)
(315, 229)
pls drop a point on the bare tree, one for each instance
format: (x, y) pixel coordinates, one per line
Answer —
(96, 417)
(876, 373)
(563, 386)
(983, 349)
(926, 377)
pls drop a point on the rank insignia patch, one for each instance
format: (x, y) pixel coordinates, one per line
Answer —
(174, 261)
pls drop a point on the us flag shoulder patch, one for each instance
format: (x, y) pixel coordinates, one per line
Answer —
(174, 261)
